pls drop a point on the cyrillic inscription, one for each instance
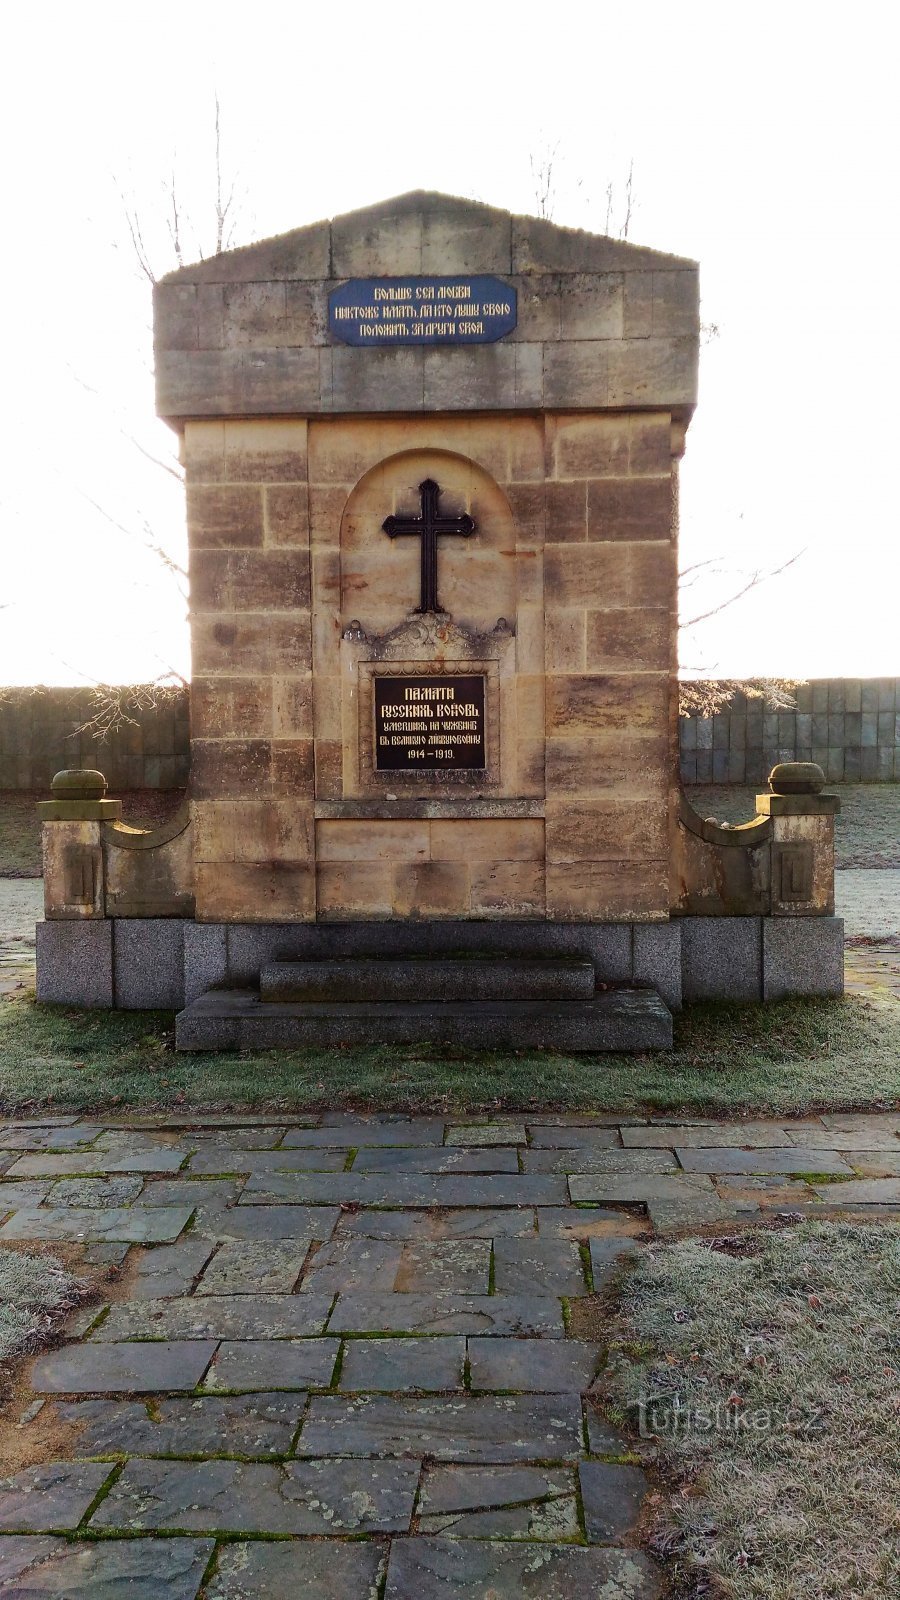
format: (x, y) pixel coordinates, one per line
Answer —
(381, 311)
(429, 724)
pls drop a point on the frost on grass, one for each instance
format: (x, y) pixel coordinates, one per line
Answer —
(34, 1292)
(768, 1369)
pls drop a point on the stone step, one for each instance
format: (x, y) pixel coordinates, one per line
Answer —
(617, 1019)
(467, 977)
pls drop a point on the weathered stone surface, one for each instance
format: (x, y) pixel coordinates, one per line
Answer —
(92, 1192)
(612, 1496)
(802, 955)
(138, 1226)
(486, 1133)
(452, 1266)
(437, 1160)
(537, 1366)
(707, 1135)
(358, 1265)
(347, 1570)
(123, 1368)
(148, 954)
(75, 964)
(587, 1222)
(610, 1162)
(562, 1137)
(91, 1163)
(472, 1224)
(759, 1160)
(603, 1440)
(305, 1497)
(245, 1425)
(269, 1268)
(393, 1365)
(69, 1135)
(168, 1269)
(144, 1569)
(721, 958)
(267, 1222)
(499, 1503)
(538, 1315)
(549, 1266)
(595, 1189)
(458, 1428)
(218, 1158)
(865, 1192)
(273, 1364)
(365, 1132)
(14, 1196)
(691, 1210)
(607, 1255)
(43, 1499)
(209, 1316)
(404, 1189)
(450, 1569)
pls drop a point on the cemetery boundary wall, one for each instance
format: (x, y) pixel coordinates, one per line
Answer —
(850, 726)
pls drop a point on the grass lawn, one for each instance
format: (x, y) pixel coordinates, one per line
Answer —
(780, 1059)
(783, 1449)
(34, 1292)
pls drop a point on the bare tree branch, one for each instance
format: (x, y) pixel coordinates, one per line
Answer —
(752, 583)
(629, 201)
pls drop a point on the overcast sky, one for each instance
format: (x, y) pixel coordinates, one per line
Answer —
(764, 143)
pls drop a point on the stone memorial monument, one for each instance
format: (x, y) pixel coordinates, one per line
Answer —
(431, 453)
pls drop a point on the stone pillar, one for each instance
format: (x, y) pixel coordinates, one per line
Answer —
(73, 857)
(802, 840)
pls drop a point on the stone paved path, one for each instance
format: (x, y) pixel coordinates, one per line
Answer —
(338, 1360)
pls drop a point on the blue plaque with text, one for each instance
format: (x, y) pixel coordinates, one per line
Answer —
(427, 311)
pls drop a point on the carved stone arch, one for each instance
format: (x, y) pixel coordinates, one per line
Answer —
(379, 577)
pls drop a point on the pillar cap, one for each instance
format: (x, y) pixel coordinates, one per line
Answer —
(78, 783)
(796, 777)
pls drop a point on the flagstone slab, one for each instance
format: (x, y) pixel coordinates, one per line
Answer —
(211, 1425)
(468, 1224)
(405, 1189)
(50, 1498)
(97, 1226)
(805, 1159)
(612, 1496)
(742, 1135)
(482, 1133)
(452, 1266)
(30, 1136)
(863, 1191)
(305, 1497)
(273, 1364)
(15, 1196)
(499, 1503)
(875, 1164)
(602, 1438)
(89, 1163)
(607, 1255)
(864, 1139)
(600, 1160)
(255, 1138)
(479, 1428)
(593, 1187)
(324, 1569)
(392, 1365)
(142, 1569)
(469, 1569)
(267, 1222)
(168, 1270)
(436, 1159)
(94, 1191)
(123, 1368)
(588, 1222)
(282, 1316)
(201, 1194)
(269, 1268)
(363, 1265)
(549, 1266)
(852, 1121)
(360, 1133)
(217, 1160)
(693, 1209)
(573, 1137)
(538, 1316)
(536, 1366)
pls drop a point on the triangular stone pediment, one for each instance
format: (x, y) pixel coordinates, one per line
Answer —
(425, 232)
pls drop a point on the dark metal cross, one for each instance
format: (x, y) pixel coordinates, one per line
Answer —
(428, 527)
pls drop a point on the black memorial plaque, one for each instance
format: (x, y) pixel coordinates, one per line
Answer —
(431, 724)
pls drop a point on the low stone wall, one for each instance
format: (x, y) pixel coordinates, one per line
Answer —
(850, 726)
(43, 730)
